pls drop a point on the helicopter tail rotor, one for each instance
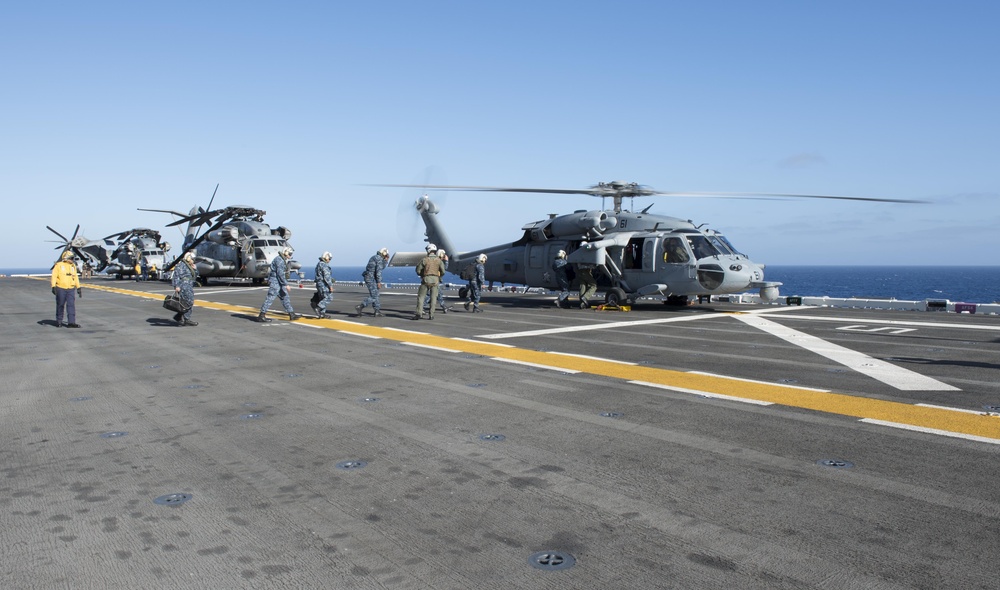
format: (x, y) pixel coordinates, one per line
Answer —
(408, 224)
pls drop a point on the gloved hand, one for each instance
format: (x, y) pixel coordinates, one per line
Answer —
(79, 291)
(53, 290)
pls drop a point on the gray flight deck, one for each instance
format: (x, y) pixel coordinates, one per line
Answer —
(714, 446)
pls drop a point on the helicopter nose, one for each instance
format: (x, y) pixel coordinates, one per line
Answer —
(725, 278)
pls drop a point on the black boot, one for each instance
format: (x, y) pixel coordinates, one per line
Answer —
(263, 318)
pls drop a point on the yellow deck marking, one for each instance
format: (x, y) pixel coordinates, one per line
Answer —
(984, 426)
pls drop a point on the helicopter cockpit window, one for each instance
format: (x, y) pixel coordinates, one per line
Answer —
(730, 244)
(272, 243)
(720, 245)
(674, 251)
(701, 247)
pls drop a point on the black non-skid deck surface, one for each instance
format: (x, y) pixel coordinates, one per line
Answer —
(391, 453)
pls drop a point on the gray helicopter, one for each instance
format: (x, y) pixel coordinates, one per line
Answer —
(119, 253)
(132, 247)
(94, 253)
(637, 254)
(236, 243)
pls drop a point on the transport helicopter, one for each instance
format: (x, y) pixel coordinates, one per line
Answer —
(236, 244)
(634, 254)
(94, 253)
(131, 247)
(118, 254)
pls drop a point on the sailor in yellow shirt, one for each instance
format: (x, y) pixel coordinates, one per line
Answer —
(66, 286)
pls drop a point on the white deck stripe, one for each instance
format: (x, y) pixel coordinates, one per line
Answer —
(536, 365)
(761, 382)
(441, 348)
(963, 410)
(591, 358)
(898, 377)
(601, 326)
(733, 398)
(846, 320)
(994, 441)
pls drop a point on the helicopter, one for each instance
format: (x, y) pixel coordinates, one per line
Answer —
(634, 254)
(118, 254)
(130, 247)
(236, 244)
(93, 253)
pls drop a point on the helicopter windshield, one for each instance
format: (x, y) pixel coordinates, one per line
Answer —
(721, 245)
(730, 245)
(702, 247)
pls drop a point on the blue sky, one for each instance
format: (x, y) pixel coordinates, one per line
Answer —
(292, 107)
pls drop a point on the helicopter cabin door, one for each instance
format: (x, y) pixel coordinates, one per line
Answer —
(678, 263)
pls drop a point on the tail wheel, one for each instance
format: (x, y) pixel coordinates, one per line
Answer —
(615, 296)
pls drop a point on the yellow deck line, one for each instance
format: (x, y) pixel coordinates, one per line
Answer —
(979, 425)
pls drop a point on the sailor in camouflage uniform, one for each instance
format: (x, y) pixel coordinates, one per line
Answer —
(324, 285)
(184, 277)
(373, 280)
(475, 287)
(277, 281)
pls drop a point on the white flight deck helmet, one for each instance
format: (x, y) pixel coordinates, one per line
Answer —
(384, 252)
(326, 257)
(561, 254)
(430, 248)
(287, 252)
(441, 253)
(481, 258)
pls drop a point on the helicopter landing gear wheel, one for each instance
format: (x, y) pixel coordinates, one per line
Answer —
(615, 296)
(676, 300)
(463, 293)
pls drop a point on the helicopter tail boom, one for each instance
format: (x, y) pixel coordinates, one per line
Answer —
(435, 234)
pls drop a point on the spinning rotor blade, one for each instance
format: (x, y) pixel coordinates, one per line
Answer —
(565, 191)
(408, 226)
(631, 190)
(728, 195)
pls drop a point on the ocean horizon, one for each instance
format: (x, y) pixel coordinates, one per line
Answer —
(971, 284)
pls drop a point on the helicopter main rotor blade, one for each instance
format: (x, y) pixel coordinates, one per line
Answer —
(565, 191)
(194, 245)
(178, 214)
(212, 200)
(57, 233)
(643, 191)
(734, 195)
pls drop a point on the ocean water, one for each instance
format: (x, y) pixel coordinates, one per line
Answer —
(972, 284)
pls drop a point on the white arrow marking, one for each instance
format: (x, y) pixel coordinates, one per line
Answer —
(897, 377)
